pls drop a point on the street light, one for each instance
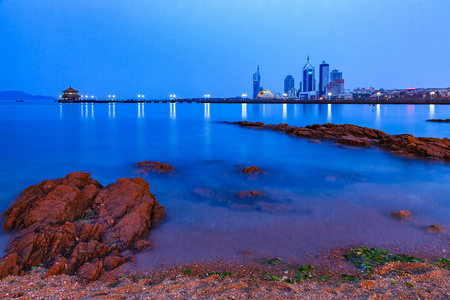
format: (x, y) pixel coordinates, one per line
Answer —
(329, 96)
(378, 96)
(244, 95)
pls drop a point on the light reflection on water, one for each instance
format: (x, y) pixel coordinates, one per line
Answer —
(316, 195)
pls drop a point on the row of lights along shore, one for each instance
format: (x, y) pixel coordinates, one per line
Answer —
(172, 97)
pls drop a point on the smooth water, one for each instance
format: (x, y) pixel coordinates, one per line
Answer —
(317, 196)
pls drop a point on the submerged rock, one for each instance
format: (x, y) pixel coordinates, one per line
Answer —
(249, 194)
(252, 170)
(402, 215)
(74, 225)
(403, 144)
(435, 229)
(147, 167)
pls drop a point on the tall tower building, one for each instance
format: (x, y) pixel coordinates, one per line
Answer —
(335, 75)
(324, 77)
(288, 83)
(309, 74)
(256, 83)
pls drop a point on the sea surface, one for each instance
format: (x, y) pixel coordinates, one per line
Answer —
(316, 196)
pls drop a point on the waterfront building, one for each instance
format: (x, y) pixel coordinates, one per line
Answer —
(288, 83)
(256, 84)
(292, 93)
(335, 75)
(70, 94)
(308, 83)
(335, 88)
(324, 77)
(265, 94)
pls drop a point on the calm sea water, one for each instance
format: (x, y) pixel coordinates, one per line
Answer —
(317, 195)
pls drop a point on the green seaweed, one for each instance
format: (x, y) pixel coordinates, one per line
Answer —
(305, 272)
(366, 258)
(443, 263)
(187, 271)
(270, 277)
(349, 277)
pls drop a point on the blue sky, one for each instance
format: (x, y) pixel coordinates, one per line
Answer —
(193, 47)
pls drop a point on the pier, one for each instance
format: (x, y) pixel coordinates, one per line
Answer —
(408, 101)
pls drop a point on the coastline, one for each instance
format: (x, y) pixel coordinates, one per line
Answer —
(237, 280)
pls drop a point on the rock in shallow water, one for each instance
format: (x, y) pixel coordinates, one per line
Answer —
(253, 170)
(402, 215)
(73, 225)
(147, 167)
(435, 229)
(402, 144)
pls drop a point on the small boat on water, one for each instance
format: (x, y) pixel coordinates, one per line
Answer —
(19, 100)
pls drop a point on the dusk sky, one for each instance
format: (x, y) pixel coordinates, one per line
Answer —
(196, 47)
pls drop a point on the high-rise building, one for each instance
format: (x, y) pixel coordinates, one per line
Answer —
(288, 83)
(335, 75)
(256, 84)
(308, 83)
(324, 77)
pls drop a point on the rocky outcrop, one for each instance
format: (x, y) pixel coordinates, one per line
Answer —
(402, 215)
(74, 225)
(439, 120)
(435, 229)
(346, 134)
(252, 170)
(146, 167)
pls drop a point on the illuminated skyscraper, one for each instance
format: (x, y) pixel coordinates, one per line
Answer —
(309, 74)
(256, 84)
(288, 83)
(324, 77)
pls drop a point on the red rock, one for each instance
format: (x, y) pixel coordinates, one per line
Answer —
(252, 170)
(405, 144)
(9, 265)
(435, 229)
(152, 166)
(249, 194)
(91, 271)
(402, 214)
(109, 222)
(354, 141)
(57, 268)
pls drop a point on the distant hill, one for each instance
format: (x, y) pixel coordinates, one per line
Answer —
(16, 95)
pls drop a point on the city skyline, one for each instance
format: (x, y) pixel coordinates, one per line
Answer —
(191, 49)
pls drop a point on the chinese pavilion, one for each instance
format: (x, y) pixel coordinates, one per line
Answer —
(70, 94)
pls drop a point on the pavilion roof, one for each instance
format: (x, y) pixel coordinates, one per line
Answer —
(70, 90)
